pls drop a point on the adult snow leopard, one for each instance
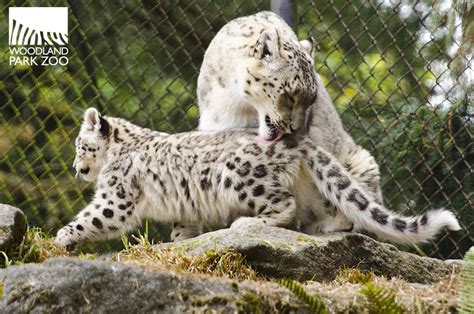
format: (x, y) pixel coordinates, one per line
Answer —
(255, 72)
(217, 177)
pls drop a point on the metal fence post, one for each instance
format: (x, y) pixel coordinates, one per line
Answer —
(287, 10)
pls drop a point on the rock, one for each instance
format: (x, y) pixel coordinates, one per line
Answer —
(78, 285)
(12, 227)
(72, 285)
(282, 253)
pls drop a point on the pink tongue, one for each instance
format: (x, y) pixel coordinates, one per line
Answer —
(278, 137)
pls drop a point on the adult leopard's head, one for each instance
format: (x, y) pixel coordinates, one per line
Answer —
(280, 82)
(91, 145)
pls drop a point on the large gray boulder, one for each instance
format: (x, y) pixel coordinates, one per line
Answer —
(72, 285)
(66, 285)
(12, 227)
(283, 253)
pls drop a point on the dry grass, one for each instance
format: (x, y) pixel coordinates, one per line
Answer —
(36, 247)
(345, 292)
(226, 263)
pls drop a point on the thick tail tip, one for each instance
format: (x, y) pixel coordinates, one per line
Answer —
(448, 219)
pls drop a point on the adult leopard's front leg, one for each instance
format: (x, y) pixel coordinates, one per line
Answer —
(111, 212)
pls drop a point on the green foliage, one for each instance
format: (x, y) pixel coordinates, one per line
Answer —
(314, 302)
(381, 300)
(143, 237)
(467, 283)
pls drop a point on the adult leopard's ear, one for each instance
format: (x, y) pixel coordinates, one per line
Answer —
(94, 121)
(308, 44)
(267, 44)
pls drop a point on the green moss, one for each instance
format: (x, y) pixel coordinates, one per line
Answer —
(88, 256)
(252, 302)
(354, 275)
(190, 245)
(214, 300)
(268, 243)
(282, 244)
(277, 244)
(304, 239)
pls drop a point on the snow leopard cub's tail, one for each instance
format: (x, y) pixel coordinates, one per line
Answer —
(337, 185)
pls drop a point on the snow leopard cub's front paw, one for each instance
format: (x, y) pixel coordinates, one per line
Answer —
(66, 238)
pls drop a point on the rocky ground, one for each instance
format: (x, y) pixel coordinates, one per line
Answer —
(256, 269)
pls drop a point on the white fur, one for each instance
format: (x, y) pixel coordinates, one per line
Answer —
(225, 106)
(228, 93)
(147, 174)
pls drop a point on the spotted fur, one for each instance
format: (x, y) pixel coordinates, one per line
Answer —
(256, 72)
(197, 177)
(272, 74)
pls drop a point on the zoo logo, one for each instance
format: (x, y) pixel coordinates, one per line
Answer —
(38, 35)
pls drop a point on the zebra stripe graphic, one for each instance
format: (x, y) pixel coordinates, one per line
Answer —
(24, 35)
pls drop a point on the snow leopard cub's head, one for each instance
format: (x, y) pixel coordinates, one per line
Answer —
(280, 82)
(91, 145)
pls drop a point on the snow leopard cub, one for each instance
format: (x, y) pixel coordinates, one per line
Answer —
(218, 177)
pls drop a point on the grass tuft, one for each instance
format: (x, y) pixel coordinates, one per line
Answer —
(36, 247)
(227, 263)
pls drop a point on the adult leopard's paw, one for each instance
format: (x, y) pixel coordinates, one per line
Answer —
(243, 222)
(182, 232)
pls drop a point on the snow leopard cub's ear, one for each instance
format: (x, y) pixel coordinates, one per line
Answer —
(267, 44)
(94, 121)
(308, 44)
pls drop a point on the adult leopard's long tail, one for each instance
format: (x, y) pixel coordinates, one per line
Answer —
(336, 184)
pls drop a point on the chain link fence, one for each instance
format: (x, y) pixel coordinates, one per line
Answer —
(399, 72)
